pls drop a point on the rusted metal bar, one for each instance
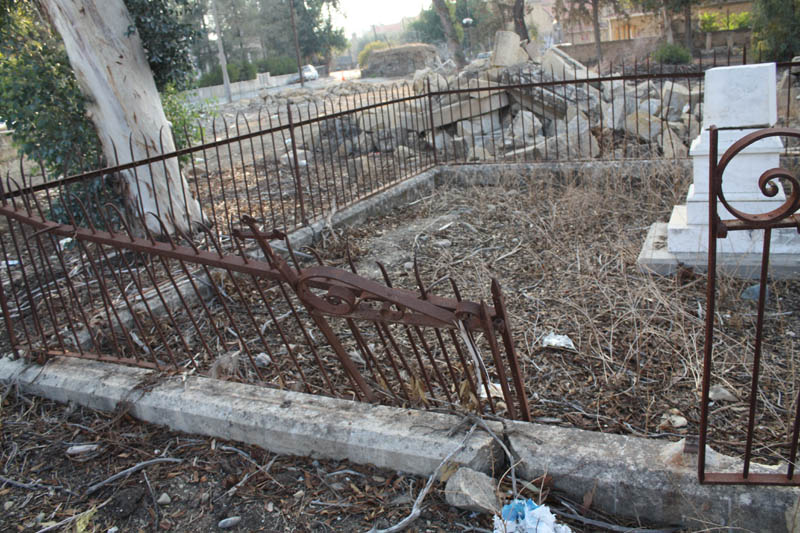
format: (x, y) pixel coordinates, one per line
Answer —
(784, 216)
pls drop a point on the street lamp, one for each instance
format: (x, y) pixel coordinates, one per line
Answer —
(467, 23)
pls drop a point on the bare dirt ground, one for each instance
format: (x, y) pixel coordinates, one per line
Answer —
(564, 251)
(43, 487)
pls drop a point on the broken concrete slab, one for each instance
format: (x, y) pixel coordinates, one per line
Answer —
(283, 422)
(467, 109)
(638, 477)
(542, 101)
(506, 49)
(671, 145)
(473, 491)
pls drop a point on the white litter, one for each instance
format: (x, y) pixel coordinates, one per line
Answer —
(524, 516)
(552, 340)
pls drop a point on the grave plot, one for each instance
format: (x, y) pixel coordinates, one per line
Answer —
(602, 345)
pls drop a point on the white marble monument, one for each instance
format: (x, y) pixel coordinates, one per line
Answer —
(742, 98)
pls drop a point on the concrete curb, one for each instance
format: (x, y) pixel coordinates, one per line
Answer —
(630, 476)
(649, 479)
(283, 422)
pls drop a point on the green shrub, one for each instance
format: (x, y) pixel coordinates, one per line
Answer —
(237, 71)
(718, 22)
(277, 65)
(672, 54)
(708, 22)
(363, 56)
(184, 116)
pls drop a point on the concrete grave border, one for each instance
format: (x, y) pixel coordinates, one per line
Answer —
(630, 476)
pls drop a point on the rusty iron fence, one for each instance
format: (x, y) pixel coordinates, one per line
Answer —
(85, 277)
(177, 307)
(784, 216)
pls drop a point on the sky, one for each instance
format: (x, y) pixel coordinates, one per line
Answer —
(359, 15)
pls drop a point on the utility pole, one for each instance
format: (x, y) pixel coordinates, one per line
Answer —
(221, 53)
(297, 45)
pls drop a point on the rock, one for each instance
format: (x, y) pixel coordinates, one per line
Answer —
(82, 448)
(482, 125)
(506, 49)
(229, 522)
(288, 158)
(443, 243)
(751, 293)
(525, 128)
(471, 490)
(674, 97)
(644, 90)
(674, 419)
(478, 153)
(614, 113)
(408, 265)
(299, 494)
(651, 106)
(423, 76)
(404, 152)
(645, 126)
(718, 393)
(672, 146)
(582, 143)
(263, 360)
(400, 60)
(164, 499)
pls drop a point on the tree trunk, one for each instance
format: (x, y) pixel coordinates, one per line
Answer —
(125, 107)
(223, 62)
(450, 33)
(519, 20)
(667, 16)
(687, 17)
(596, 27)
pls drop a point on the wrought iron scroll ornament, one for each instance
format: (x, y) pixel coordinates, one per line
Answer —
(766, 182)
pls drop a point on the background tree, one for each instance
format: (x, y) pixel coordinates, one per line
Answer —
(519, 20)
(445, 13)
(776, 28)
(577, 12)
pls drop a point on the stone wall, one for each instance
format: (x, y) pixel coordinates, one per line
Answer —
(400, 60)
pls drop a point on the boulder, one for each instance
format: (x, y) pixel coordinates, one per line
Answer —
(674, 97)
(423, 76)
(614, 113)
(400, 60)
(650, 106)
(643, 125)
(473, 491)
(672, 146)
(481, 125)
(404, 152)
(582, 143)
(525, 128)
(478, 153)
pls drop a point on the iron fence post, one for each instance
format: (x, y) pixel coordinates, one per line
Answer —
(296, 168)
(433, 130)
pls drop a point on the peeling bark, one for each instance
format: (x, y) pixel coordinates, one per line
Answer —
(125, 107)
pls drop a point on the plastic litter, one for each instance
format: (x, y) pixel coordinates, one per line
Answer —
(524, 516)
(552, 340)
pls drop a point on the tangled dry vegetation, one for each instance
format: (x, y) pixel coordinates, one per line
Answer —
(564, 249)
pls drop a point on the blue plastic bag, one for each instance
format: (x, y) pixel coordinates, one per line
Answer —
(524, 516)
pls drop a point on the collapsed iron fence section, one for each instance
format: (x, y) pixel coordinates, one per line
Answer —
(784, 216)
(179, 307)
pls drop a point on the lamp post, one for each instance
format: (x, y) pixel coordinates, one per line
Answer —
(467, 23)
